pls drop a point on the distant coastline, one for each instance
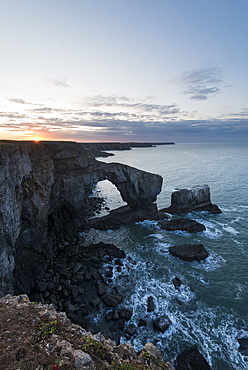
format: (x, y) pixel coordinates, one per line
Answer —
(99, 149)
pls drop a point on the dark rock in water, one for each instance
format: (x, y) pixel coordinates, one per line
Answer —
(162, 323)
(119, 262)
(125, 313)
(243, 346)
(41, 286)
(142, 322)
(183, 224)
(177, 282)
(94, 301)
(121, 323)
(112, 315)
(100, 289)
(151, 304)
(112, 300)
(191, 359)
(189, 252)
(85, 309)
(124, 215)
(194, 199)
(131, 330)
(108, 273)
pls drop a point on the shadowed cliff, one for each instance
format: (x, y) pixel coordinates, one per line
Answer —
(48, 184)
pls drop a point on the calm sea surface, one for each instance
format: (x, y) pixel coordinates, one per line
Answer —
(211, 308)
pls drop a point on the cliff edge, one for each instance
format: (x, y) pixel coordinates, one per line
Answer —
(45, 185)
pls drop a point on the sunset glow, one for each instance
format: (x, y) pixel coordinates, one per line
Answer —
(176, 73)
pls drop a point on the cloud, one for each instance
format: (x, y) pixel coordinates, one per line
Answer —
(202, 83)
(18, 101)
(117, 118)
(58, 82)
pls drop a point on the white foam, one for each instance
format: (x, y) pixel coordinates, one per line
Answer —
(211, 263)
(230, 230)
(158, 236)
(211, 232)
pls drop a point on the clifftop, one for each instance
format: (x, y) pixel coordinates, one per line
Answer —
(35, 336)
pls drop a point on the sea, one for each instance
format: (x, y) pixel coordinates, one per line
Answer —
(211, 307)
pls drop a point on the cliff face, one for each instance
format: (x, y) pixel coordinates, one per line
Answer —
(47, 183)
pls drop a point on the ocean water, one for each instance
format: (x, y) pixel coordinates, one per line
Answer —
(211, 308)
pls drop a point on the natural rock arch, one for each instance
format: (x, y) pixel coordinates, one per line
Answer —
(138, 188)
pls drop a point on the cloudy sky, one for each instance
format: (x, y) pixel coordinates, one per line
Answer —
(124, 70)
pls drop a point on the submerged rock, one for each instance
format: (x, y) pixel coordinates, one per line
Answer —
(189, 252)
(191, 359)
(183, 224)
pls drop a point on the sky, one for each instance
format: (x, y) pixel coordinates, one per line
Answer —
(124, 70)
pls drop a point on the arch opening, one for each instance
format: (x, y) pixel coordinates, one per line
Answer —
(110, 195)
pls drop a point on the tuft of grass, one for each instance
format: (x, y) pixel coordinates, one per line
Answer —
(49, 328)
(127, 367)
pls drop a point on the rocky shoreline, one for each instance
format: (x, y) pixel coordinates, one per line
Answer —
(45, 202)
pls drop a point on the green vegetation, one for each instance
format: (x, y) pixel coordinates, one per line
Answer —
(49, 328)
(93, 347)
(127, 367)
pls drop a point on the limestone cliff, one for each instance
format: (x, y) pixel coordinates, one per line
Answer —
(48, 183)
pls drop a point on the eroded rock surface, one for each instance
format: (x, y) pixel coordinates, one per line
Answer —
(46, 185)
(194, 199)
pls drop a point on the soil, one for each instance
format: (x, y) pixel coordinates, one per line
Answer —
(34, 336)
(30, 337)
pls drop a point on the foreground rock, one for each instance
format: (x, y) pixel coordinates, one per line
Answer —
(189, 252)
(194, 199)
(183, 224)
(191, 359)
(35, 336)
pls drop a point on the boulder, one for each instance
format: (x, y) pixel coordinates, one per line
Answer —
(130, 330)
(112, 300)
(189, 252)
(142, 322)
(100, 289)
(183, 224)
(194, 199)
(151, 306)
(125, 313)
(162, 323)
(177, 282)
(191, 359)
